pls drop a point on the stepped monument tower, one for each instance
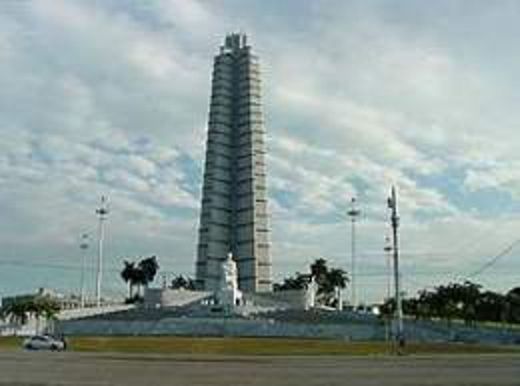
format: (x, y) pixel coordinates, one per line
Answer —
(234, 217)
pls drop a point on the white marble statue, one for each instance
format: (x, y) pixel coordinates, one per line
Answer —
(228, 293)
(310, 294)
(228, 274)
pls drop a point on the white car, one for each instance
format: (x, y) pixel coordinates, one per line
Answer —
(44, 342)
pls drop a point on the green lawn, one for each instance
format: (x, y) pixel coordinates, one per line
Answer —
(253, 346)
(10, 342)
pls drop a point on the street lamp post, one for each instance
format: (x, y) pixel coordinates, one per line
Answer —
(353, 214)
(83, 246)
(392, 205)
(102, 213)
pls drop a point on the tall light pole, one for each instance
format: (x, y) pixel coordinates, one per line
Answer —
(83, 246)
(388, 258)
(102, 213)
(353, 214)
(394, 219)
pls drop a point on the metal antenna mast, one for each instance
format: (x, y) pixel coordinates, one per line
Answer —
(102, 213)
(392, 205)
(83, 246)
(353, 214)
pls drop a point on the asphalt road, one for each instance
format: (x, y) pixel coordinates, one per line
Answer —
(82, 369)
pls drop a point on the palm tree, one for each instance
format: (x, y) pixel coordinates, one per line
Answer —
(337, 277)
(149, 267)
(297, 282)
(127, 275)
(513, 305)
(491, 307)
(319, 269)
(17, 311)
(139, 274)
(326, 279)
(179, 282)
(192, 284)
(46, 307)
(335, 280)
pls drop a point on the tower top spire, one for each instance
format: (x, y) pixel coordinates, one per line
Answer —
(234, 42)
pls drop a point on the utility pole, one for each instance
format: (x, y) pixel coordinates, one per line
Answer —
(392, 205)
(388, 257)
(83, 246)
(353, 214)
(102, 213)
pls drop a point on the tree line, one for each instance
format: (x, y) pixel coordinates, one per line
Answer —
(21, 310)
(465, 301)
(327, 280)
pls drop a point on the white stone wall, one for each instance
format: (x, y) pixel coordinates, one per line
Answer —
(282, 299)
(347, 330)
(166, 297)
(92, 311)
(218, 327)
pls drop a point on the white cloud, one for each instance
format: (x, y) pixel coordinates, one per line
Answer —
(141, 165)
(503, 177)
(324, 180)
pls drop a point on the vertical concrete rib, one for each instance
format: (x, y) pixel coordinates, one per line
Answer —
(234, 215)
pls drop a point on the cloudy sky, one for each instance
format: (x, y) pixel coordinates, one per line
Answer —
(111, 97)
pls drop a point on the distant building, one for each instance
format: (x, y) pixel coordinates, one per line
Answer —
(234, 217)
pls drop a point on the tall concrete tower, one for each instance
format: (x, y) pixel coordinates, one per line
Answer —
(234, 214)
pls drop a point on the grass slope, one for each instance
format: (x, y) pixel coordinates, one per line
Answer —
(254, 346)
